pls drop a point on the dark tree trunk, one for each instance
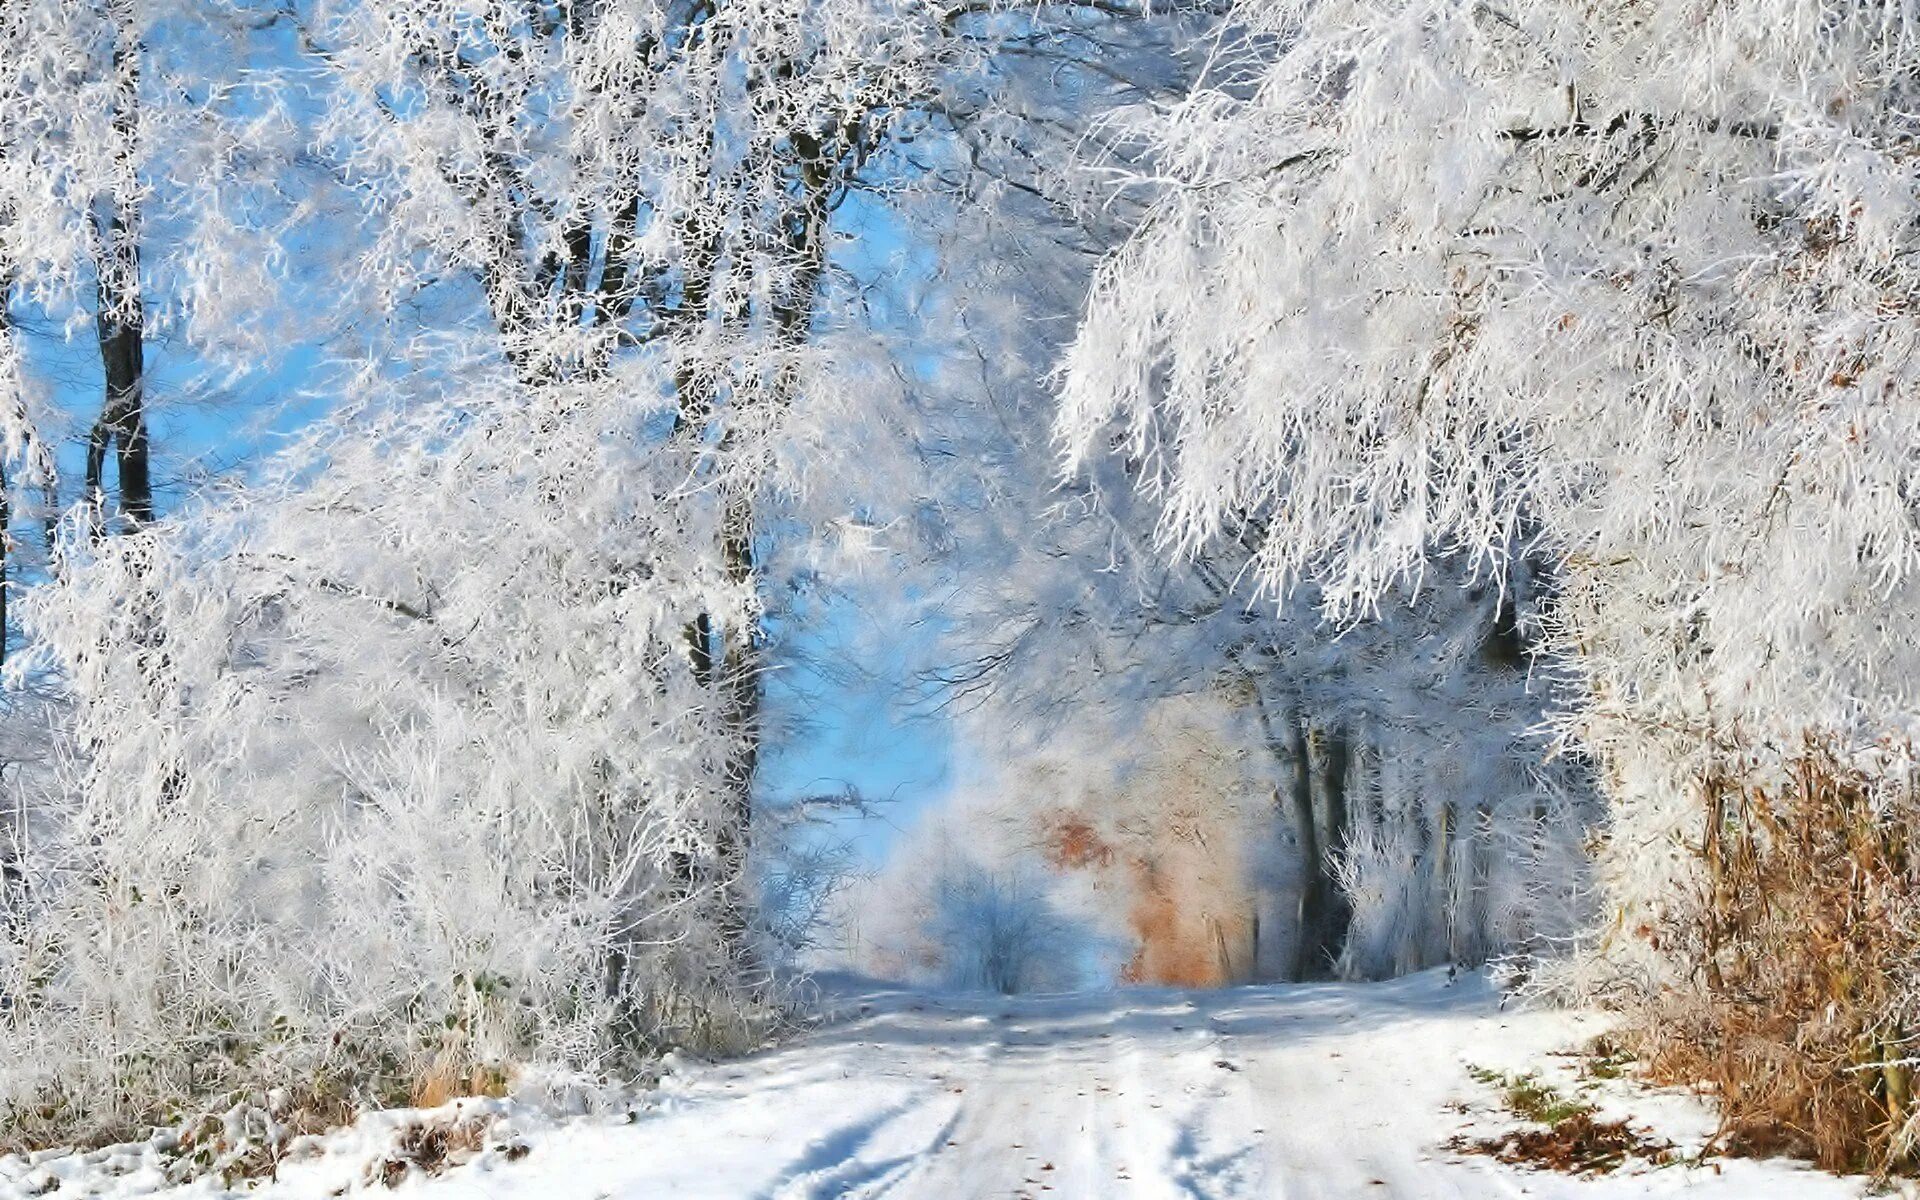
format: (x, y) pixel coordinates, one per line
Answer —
(1313, 795)
(1440, 881)
(1306, 830)
(741, 651)
(122, 426)
(742, 697)
(1323, 922)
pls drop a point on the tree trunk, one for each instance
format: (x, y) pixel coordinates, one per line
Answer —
(742, 650)
(1316, 882)
(1317, 811)
(743, 694)
(1468, 934)
(122, 425)
(1324, 929)
(1440, 883)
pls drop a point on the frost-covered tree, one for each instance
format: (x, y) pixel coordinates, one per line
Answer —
(1626, 284)
(57, 153)
(119, 309)
(532, 541)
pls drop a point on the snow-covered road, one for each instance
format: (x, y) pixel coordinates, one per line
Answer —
(1337, 1091)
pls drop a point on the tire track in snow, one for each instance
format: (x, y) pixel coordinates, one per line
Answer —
(870, 1158)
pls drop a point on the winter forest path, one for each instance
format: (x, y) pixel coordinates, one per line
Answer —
(1300, 1092)
(1334, 1091)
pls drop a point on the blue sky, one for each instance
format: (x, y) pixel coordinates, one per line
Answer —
(854, 735)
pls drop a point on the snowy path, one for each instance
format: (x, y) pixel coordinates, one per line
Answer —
(1344, 1092)
(1334, 1091)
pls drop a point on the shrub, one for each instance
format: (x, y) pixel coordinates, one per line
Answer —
(1801, 1017)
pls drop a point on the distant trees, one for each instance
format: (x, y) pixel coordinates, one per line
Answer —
(1402, 749)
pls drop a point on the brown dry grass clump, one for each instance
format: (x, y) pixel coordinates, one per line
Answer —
(1565, 1137)
(1575, 1145)
(249, 1141)
(431, 1147)
(1800, 1018)
(451, 1080)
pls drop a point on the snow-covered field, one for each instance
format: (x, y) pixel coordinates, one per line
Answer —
(1338, 1091)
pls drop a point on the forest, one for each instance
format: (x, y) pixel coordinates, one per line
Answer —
(1348, 488)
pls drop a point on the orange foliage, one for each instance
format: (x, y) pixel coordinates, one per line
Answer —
(1072, 842)
(1183, 941)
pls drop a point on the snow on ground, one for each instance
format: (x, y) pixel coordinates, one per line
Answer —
(1339, 1091)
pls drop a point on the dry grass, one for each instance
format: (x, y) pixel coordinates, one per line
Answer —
(1575, 1145)
(1565, 1137)
(452, 1081)
(1799, 1019)
(431, 1147)
(249, 1142)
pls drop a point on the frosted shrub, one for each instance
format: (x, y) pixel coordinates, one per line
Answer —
(994, 923)
(968, 900)
(998, 930)
(1381, 871)
(384, 776)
